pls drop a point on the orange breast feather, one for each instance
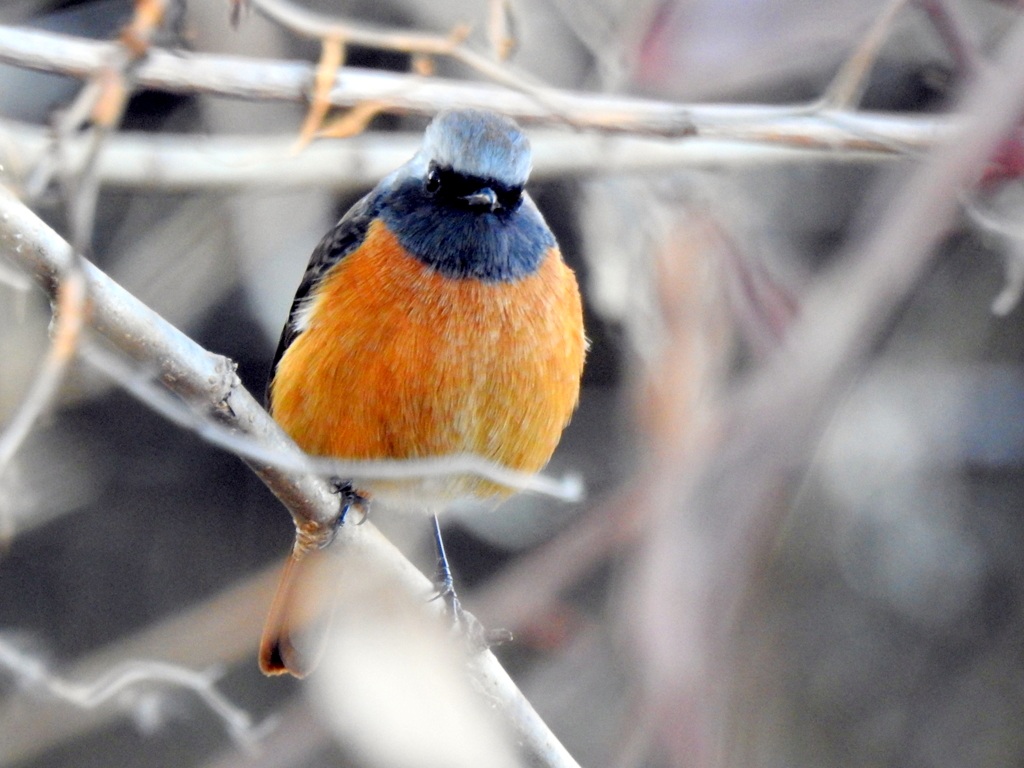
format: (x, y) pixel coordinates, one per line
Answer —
(398, 361)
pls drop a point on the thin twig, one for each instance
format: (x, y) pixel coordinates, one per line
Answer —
(200, 376)
(299, 738)
(314, 25)
(1011, 232)
(71, 309)
(71, 298)
(310, 24)
(109, 687)
(142, 386)
(846, 90)
(332, 54)
(501, 23)
(100, 105)
(217, 632)
(949, 23)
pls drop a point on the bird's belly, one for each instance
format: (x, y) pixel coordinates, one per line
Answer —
(400, 362)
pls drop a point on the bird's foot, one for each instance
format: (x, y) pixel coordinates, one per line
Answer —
(477, 637)
(349, 497)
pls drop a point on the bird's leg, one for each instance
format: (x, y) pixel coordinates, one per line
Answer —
(443, 578)
(480, 639)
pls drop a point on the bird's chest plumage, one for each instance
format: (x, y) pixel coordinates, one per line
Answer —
(398, 361)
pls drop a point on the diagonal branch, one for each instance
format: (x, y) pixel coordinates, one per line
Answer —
(202, 377)
(310, 24)
(846, 90)
(951, 27)
(140, 384)
(71, 308)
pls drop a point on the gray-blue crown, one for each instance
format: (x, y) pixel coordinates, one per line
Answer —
(478, 143)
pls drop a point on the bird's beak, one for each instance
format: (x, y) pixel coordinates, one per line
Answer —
(485, 197)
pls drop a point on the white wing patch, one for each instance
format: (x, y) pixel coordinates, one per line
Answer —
(302, 316)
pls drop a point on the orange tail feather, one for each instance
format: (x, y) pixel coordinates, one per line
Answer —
(295, 633)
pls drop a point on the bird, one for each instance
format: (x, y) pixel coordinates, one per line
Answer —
(436, 318)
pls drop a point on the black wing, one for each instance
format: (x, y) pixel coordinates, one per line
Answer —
(339, 242)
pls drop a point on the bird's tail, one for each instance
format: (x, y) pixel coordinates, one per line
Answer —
(297, 627)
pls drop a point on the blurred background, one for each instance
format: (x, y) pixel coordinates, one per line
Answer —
(885, 626)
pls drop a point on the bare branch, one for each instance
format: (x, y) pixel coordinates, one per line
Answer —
(193, 162)
(501, 23)
(109, 687)
(310, 24)
(568, 489)
(201, 377)
(800, 126)
(332, 54)
(103, 101)
(219, 631)
(99, 105)
(298, 738)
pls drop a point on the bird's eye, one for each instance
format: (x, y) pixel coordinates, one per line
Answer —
(511, 198)
(433, 182)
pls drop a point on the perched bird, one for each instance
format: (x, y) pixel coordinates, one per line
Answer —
(436, 318)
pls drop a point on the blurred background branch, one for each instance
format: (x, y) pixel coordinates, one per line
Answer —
(218, 632)
(765, 434)
(144, 161)
(118, 682)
